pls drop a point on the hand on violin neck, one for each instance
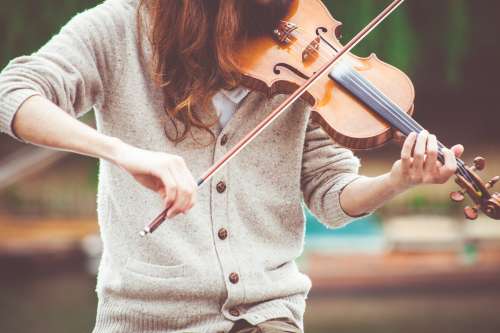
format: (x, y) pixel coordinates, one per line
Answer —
(419, 163)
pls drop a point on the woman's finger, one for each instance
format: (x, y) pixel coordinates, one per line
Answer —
(170, 188)
(450, 165)
(193, 190)
(189, 184)
(406, 152)
(419, 155)
(458, 150)
(184, 190)
(432, 155)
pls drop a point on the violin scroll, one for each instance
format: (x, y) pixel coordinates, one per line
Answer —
(478, 191)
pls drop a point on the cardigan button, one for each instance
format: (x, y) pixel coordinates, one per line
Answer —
(222, 233)
(221, 187)
(234, 312)
(224, 140)
(234, 278)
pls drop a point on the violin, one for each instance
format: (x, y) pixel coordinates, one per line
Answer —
(359, 102)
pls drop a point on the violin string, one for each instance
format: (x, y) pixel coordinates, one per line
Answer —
(403, 118)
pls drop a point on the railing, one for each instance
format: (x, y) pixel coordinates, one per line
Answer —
(26, 162)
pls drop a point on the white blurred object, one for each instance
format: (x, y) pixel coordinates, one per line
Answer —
(424, 233)
(439, 233)
(92, 248)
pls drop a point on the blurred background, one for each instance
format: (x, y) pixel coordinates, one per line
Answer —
(416, 265)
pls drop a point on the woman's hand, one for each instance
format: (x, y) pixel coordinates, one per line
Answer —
(163, 173)
(419, 162)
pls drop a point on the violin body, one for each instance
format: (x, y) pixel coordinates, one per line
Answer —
(275, 67)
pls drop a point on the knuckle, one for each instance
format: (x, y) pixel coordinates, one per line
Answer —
(432, 152)
(449, 170)
(184, 190)
(179, 160)
(416, 179)
(175, 207)
(166, 161)
(167, 181)
(427, 179)
(405, 157)
(173, 188)
(443, 180)
(450, 174)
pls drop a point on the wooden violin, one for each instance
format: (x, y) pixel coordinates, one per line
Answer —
(359, 102)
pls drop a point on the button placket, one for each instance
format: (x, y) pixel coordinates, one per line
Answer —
(228, 263)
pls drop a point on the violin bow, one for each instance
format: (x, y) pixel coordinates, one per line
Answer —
(151, 227)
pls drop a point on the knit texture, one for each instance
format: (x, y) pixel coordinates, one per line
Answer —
(177, 280)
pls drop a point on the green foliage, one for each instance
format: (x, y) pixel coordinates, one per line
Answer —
(403, 39)
(394, 40)
(459, 28)
(26, 24)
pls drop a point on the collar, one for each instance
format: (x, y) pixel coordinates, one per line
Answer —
(237, 94)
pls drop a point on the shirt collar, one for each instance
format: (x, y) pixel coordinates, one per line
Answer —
(236, 95)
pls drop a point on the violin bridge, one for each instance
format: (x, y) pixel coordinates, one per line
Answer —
(312, 50)
(283, 33)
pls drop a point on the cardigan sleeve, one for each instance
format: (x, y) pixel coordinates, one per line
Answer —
(72, 69)
(327, 168)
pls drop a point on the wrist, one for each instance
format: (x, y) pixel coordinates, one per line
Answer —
(396, 184)
(114, 149)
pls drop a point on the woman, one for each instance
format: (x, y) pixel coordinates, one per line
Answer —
(163, 81)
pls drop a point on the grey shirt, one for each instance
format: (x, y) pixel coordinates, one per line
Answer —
(186, 277)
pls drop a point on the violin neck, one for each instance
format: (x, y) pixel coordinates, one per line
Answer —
(379, 103)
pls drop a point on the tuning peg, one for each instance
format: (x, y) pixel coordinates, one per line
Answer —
(492, 182)
(471, 213)
(479, 163)
(457, 196)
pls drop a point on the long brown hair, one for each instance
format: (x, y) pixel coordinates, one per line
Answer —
(192, 43)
